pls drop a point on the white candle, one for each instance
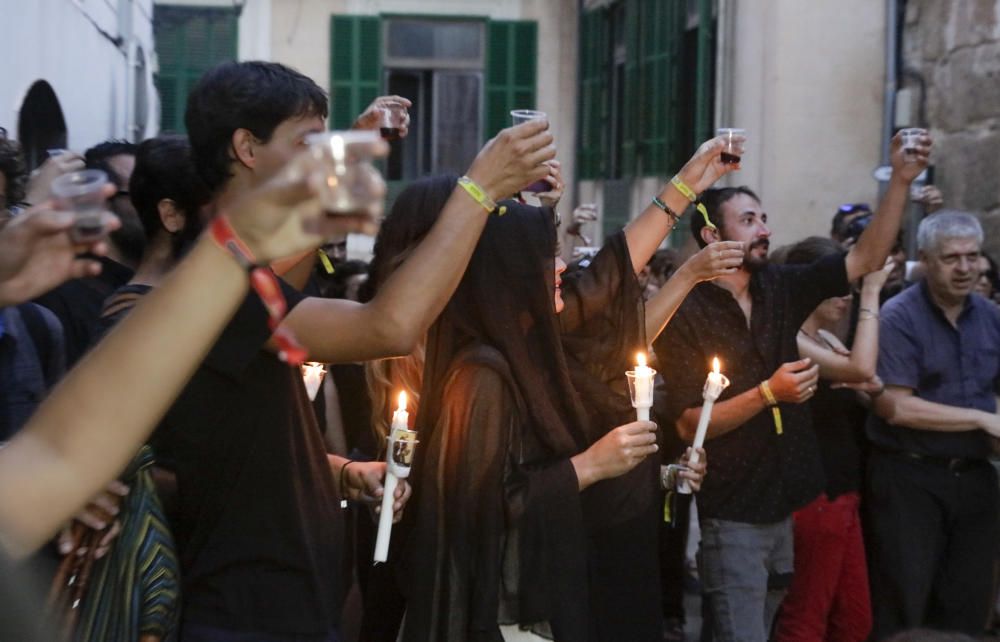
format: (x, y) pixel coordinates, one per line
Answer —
(312, 376)
(398, 456)
(714, 385)
(641, 387)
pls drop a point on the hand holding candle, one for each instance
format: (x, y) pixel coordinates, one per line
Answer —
(312, 376)
(714, 385)
(640, 387)
(399, 458)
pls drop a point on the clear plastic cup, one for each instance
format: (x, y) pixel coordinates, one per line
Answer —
(393, 116)
(519, 116)
(911, 138)
(83, 193)
(353, 185)
(735, 140)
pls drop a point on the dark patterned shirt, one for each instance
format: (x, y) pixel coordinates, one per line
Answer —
(755, 475)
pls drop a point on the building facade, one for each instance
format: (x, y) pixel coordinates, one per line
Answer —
(77, 72)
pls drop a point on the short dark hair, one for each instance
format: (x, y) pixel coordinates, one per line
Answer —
(164, 169)
(838, 229)
(713, 199)
(13, 168)
(255, 95)
(98, 157)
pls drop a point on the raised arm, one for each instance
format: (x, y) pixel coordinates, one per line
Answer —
(89, 427)
(712, 261)
(412, 298)
(876, 241)
(858, 364)
(645, 233)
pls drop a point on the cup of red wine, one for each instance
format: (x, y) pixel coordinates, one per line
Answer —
(518, 116)
(735, 139)
(393, 116)
(911, 138)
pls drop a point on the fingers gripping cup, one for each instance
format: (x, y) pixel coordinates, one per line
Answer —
(911, 138)
(393, 117)
(351, 185)
(734, 139)
(518, 116)
(83, 193)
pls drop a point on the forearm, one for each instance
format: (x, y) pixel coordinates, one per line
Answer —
(727, 415)
(877, 240)
(665, 303)
(645, 233)
(106, 407)
(919, 414)
(864, 350)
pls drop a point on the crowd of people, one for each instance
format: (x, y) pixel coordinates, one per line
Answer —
(167, 475)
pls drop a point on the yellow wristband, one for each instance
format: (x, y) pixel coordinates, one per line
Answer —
(478, 194)
(325, 260)
(770, 400)
(689, 194)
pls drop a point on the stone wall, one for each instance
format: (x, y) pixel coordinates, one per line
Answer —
(955, 46)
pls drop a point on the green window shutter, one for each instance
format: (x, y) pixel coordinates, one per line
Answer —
(631, 134)
(355, 66)
(189, 41)
(511, 68)
(592, 112)
(659, 47)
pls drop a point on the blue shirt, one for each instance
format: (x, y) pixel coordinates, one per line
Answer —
(952, 365)
(27, 370)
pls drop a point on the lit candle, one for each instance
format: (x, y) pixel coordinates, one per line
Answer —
(714, 385)
(312, 376)
(398, 459)
(640, 384)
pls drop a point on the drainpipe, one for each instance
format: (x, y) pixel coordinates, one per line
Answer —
(891, 81)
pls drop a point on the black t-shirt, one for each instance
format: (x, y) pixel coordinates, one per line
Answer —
(757, 476)
(839, 421)
(256, 533)
(78, 304)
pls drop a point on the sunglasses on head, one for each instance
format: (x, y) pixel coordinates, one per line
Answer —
(850, 208)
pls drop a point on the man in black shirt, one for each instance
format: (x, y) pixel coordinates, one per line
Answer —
(764, 459)
(256, 490)
(77, 303)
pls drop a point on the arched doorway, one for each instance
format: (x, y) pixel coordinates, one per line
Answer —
(40, 124)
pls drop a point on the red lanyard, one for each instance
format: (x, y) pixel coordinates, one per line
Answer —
(265, 284)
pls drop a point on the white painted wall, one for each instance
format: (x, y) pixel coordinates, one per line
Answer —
(806, 80)
(59, 41)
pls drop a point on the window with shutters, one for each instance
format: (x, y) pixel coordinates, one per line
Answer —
(463, 75)
(189, 41)
(646, 92)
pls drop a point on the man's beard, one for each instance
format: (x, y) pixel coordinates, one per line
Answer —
(753, 263)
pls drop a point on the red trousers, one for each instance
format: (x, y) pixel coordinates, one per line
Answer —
(829, 598)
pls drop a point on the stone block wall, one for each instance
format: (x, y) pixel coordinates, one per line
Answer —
(955, 46)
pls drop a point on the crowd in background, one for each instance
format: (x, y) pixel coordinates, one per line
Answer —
(167, 476)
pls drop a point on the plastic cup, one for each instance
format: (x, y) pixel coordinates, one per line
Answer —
(519, 116)
(352, 184)
(393, 116)
(911, 138)
(735, 140)
(83, 192)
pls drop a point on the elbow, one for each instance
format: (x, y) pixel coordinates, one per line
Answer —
(397, 336)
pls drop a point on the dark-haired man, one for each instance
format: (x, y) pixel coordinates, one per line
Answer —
(78, 303)
(765, 461)
(257, 493)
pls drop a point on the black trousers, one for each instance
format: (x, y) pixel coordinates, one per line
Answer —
(673, 551)
(934, 540)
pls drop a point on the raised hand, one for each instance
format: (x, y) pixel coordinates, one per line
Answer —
(715, 260)
(371, 117)
(909, 165)
(516, 157)
(706, 166)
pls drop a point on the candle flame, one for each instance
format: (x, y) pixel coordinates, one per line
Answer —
(640, 359)
(402, 400)
(715, 365)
